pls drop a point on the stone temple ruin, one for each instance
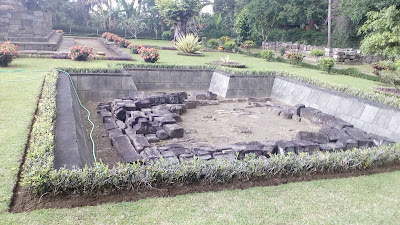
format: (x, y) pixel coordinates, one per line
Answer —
(30, 30)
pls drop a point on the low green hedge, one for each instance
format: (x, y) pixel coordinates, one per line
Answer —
(40, 177)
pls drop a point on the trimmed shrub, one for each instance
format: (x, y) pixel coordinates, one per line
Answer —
(122, 42)
(327, 64)
(295, 58)
(268, 55)
(135, 48)
(149, 55)
(247, 45)
(317, 52)
(188, 43)
(78, 53)
(166, 35)
(225, 39)
(8, 52)
(282, 51)
(213, 43)
(230, 45)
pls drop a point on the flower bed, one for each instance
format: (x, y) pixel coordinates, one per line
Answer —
(150, 55)
(8, 52)
(79, 53)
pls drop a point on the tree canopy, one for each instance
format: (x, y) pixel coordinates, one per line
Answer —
(382, 33)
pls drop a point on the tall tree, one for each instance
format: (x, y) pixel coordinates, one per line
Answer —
(178, 12)
(382, 33)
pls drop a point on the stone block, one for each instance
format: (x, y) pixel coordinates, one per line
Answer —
(174, 130)
(162, 135)
(394, 124)
(126, 150)
(313, 137)
(356, 109)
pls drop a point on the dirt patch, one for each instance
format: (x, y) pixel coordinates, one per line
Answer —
(96, 45)
(105, 152)
(229, 123)
(24, 202)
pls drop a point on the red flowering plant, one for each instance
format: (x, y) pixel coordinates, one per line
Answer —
(135, 48)
(295, 57)
(122, 42)
(59, 31)
(109, 36)
(150, 55)
(78, 53)
(8, 52)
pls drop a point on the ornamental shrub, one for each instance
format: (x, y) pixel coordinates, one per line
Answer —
(78, 53)
(166, 35)
(225, 39)
(188, 43)
(122, 42)
(282, 51)
(295, 57)
(268, 55)
(317, 52)
(213, 43)
(150, 55)
(247, 45)
(135, 48)
(230, 45)
(326, 64)
(8, 52)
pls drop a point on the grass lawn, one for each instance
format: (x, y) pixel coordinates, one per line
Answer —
(367, 199)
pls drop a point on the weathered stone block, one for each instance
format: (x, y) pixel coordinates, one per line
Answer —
(174, 130)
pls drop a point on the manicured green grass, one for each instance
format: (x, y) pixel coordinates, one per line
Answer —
(360, 200)
(160, 43)
(252, 63)
(368, 199)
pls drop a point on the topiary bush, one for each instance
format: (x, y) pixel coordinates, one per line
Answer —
(188, 43)
(326, 64)
(230, 45)
(8, 52)
(317, 52)
(213, 43)
(268, 55)
(166, 35)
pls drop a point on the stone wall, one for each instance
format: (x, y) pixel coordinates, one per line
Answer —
(233, 86)
(343, 55)
(103, 87)
(24, 24)
(72, 146)
(369, 116)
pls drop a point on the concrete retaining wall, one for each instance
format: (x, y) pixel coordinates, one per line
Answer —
(72, 146)
(103, 87)
(369, 116)
(171, 79)
(233, 86)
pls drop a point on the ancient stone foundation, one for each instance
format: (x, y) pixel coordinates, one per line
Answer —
(30, 30)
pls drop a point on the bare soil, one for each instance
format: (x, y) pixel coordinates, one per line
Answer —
(229, 123)
(96, 45)
(105, 152)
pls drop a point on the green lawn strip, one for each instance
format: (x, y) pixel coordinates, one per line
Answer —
(159, 43)
(17, 106)
(358, 200)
